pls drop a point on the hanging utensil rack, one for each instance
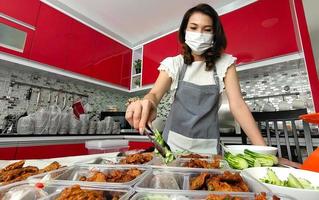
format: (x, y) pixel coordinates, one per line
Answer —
(48, 88)
(270, 96)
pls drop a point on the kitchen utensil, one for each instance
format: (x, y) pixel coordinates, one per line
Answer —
(38, 100)
(284, 105)
(268, 107)
(255, 107)
(298, 103)
(65, 118)
(55, 117)
(24, 114)
(84, 119)
(78, 109)
(157, 146)
(109, 121)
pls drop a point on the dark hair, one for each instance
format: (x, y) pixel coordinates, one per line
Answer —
(212, 54)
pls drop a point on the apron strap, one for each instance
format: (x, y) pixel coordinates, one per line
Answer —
(183, 71)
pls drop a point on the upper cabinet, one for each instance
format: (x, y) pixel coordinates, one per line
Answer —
(63, 42)
(22, 10)
(260, 31)
(156, 51)
(52, 36)
(15, 39)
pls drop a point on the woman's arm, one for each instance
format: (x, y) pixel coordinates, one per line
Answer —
(239, 108)
(143, 111)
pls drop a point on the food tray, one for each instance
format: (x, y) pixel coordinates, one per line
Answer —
(201, 195)
(71, 175)
(180, 162)
(110, 161)
(173, 179)
(181, 155)
(52, 191)
(40, 164)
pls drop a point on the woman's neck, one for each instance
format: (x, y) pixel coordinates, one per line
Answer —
(198, 57)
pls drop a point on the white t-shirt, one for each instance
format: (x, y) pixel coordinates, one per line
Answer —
(196, 72)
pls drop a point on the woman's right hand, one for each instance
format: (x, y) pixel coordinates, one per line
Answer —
(140, 112)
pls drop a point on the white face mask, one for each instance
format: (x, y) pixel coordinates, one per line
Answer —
(198, 42)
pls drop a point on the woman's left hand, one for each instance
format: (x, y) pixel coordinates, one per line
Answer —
(284, 161)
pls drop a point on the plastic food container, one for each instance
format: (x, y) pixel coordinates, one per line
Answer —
(201, 195)
(175, 180)
(180, 163)
(40, 164)
(72, 175)
(110, 161)
(106, 146)
(28, 190)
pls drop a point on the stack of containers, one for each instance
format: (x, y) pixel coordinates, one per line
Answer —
(156, 181)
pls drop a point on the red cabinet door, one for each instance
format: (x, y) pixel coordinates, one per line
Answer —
(50, 151)
(126, 69)
(154, 52)
(260, 31)
(111, 61)
(8, 153)
(80, 47)
(23, 10)
(52, 35)
(27, 47)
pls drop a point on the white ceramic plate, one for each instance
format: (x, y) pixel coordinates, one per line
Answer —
(282, 173)
(236, 149)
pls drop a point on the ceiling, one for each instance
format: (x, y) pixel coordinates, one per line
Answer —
(134, 22)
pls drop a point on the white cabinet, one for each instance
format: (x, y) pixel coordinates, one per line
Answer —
(136, 72)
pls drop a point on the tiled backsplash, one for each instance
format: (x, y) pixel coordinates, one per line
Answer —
(99, 98)
(281, 78)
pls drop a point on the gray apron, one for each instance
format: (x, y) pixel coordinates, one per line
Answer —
(192, 123)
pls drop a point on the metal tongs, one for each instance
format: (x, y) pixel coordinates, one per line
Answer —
(157, 146)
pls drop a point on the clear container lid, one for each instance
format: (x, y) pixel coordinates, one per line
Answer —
(201, 195)
(72, 175)
(35, 190)
(105, 144)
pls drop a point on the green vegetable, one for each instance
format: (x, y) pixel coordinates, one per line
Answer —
(262, 158)
(305, 183)
(251, 161)
(265, 162)
(272, 178)
(293, 182)
(235, 161)
(169, 156)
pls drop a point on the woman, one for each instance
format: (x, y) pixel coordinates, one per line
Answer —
(198, 76)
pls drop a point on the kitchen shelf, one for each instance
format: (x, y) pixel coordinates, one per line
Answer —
(136, 75)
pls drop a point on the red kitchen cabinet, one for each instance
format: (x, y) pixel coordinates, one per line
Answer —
(50, 151)
(80, 47)
(23, 10)
(154, 52)
(113, 70)
(8, 153)
(27, 47)
(139, 145)
(261, 30)
(126, 69)
(51, 38)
